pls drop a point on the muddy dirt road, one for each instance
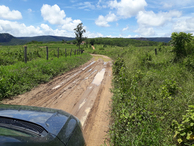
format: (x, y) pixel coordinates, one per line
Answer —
(83, 92)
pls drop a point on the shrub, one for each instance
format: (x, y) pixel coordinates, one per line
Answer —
(184, 132)
(180, 40)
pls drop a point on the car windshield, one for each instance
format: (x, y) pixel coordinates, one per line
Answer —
(4, 131)
(16, 127)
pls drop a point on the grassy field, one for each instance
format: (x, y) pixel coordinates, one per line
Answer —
(17, 77)
(151, 96)
(11, 54)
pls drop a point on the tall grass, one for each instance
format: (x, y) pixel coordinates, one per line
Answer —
(13, 54)
(149, 93)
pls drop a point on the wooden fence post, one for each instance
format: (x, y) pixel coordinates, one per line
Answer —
(65, 53)
(156, 52)
(75, 52)
(58, 52)
(46, 52)
(25, 54)
(70, 52)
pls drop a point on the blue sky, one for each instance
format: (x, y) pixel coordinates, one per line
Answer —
(101, 18)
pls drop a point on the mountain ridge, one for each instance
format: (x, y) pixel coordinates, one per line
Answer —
(8, 39)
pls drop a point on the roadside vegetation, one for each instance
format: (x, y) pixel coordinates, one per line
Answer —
(120, 42)
(10, 55)
(17, 77)
(152, 103)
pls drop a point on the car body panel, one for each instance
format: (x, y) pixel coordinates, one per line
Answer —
(61, 126)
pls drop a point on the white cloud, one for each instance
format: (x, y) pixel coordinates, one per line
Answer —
(89, 34)
(186, 25)
(6, 13)
(86, 5)
(176, 3)
(69, 24)
(98, 4)
(46, 27)
(20, 29)
(101, 4)
(149, 18)
(29, 10)
(128, 8)
(167, 5)
(16, 28)
(52, 14)
(103, 21)
(145, 31)
(126, 28)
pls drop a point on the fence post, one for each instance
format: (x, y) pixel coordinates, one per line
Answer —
(156, 52)
(58, 52)
(65, 53)
(25, 54)
(46, 52)
(70, 52)
(75, 52)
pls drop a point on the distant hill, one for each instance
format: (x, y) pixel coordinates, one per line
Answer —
(155, 39)
(46, 39)
(7, 39)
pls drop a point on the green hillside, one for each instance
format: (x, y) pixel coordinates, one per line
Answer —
(45, 39)
(7, 39)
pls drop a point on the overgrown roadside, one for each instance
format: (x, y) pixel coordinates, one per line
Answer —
(152, 100)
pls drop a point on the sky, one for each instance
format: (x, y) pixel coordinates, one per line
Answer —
(100, 18)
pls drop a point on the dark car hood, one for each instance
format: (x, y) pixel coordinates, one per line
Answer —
(50, 119)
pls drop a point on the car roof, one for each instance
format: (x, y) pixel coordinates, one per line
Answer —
(52, 120)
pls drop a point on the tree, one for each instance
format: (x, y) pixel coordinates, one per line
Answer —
(79, 33)
(179, 41)
(64, 41)
(92, 41)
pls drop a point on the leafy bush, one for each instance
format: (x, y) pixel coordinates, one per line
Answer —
(184, 132)
(180, 40)
(101, 48)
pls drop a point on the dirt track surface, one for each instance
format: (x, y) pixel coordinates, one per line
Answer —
(83, 92)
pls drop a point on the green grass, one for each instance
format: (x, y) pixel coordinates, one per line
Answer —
(12, 54)
(20, 77)
(149, 93)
